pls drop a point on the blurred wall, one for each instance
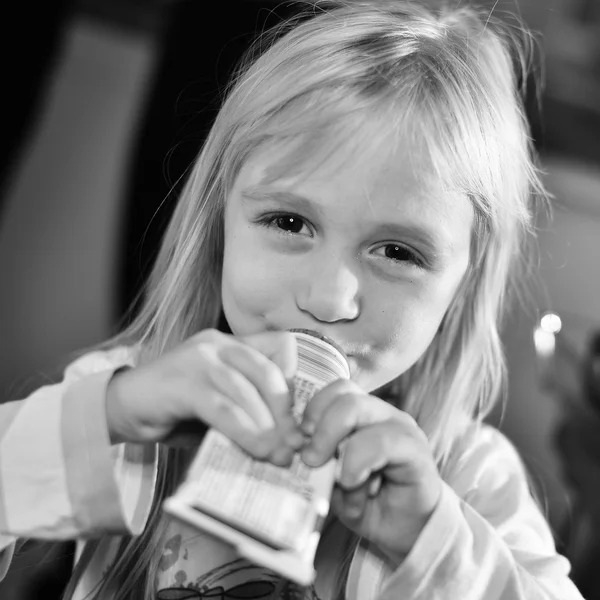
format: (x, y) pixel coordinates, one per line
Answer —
(569, 242)
(569, 283)
(60, 218)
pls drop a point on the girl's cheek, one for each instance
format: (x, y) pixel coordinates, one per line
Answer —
(263, 286)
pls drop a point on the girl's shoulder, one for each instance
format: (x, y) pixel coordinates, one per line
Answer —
(484, 458)
(481, 439)
(492, 478)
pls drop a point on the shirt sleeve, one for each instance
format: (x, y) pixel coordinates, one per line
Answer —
(487, 539)
(59, 476)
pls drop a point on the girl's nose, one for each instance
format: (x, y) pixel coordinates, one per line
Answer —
(330, 291)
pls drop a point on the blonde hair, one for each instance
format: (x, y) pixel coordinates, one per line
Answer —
(444, 73)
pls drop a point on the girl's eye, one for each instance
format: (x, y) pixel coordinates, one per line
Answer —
(287, 223)
(401, 254)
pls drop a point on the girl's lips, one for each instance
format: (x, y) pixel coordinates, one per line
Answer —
(349, 352)
(353, 353)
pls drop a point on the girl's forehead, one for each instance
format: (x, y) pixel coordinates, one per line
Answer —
(367, 158)
(390, 184)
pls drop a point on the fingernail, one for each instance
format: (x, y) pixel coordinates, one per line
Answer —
(375, 486)
(308, 427)
(282, 456)
(338, 470)
(310, 457)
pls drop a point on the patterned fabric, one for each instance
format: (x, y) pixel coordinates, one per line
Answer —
(60, 479)
(236, 580)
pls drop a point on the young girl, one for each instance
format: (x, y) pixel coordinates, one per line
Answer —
(370, 177)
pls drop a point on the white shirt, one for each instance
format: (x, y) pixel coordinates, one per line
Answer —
(61, 479)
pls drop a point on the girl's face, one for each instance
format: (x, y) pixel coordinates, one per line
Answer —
(365, 254)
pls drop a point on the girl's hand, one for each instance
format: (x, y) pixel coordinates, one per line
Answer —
(388, 484)
(236, 385)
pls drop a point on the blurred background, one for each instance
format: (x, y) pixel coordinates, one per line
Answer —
(106, 102)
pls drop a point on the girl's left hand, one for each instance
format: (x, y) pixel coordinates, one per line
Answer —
(388, 484)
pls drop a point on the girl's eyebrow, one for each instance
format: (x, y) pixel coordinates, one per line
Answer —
(257, 193)
(437, 241)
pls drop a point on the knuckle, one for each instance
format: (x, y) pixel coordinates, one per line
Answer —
(407, 419)
(206, 361)
(345, 386)
(411, 427)
(389, 437)
(353, 399)
(210, 335)
(339, 412)
(267, 372)
(225, 413)
(204, 350)
(266, 368)
(350, 404)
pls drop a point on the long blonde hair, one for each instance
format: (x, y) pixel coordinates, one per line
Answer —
(444, 73)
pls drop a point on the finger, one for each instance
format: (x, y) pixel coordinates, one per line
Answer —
(224, 415)
(267, 379)
(351, 504)
(344, 414)
(375, 483)
(279, 347)
(375, 479)
(232, 384)
(321, 401)
(383, 446)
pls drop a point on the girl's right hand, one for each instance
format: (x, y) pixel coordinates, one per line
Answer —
(236, 385)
